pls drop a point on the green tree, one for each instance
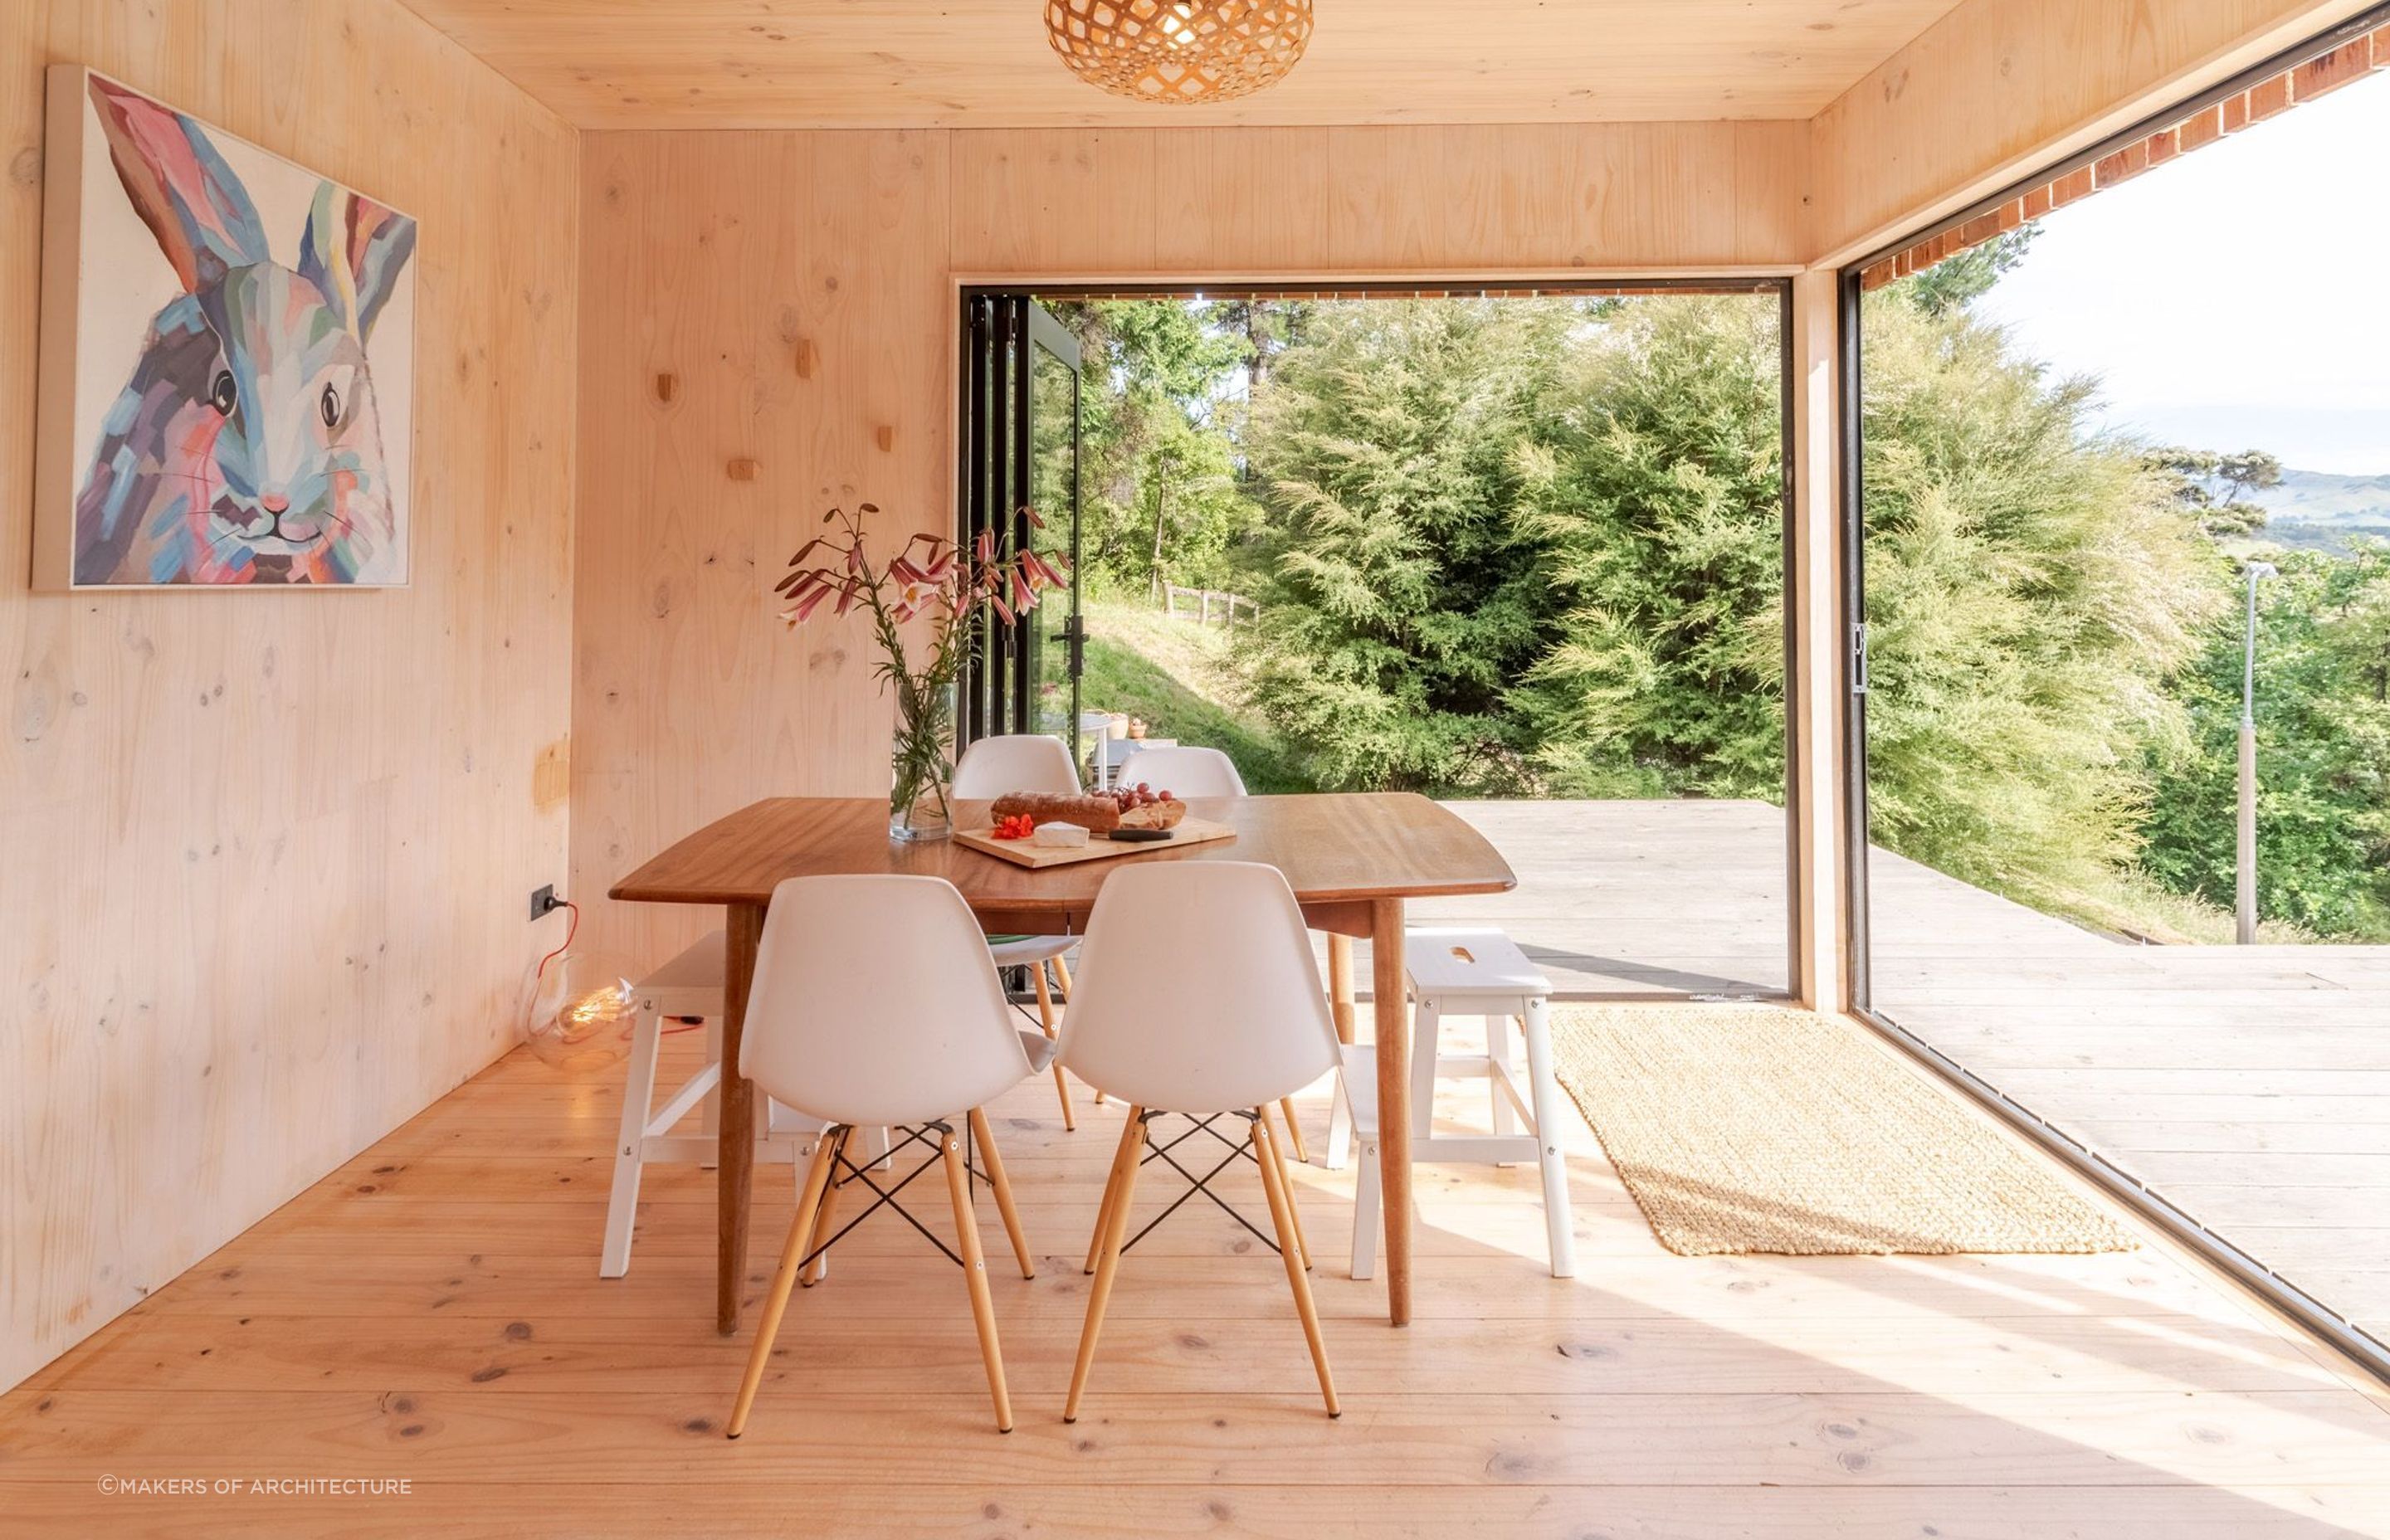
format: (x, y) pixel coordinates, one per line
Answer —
(2197, 477)
(1404, 600)
(1264, 328)
(2323, 752)
(1961, 278)
(2030, 583)
(1154, 373)
(1192, 509)
(1657, 510)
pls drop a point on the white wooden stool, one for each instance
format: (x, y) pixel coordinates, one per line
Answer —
(1466, 972)
(689, 988)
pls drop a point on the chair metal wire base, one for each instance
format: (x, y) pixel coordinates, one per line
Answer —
(1202, 1184)
(844, 1171)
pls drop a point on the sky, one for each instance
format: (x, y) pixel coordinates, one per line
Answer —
(2237, 298)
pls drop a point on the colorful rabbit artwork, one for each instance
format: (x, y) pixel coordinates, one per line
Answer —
(248, 445)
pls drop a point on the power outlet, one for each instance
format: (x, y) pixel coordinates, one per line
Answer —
(544, 901)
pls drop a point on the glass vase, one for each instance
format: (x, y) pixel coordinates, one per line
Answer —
(920, 776)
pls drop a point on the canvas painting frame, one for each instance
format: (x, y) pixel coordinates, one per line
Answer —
(181, 261)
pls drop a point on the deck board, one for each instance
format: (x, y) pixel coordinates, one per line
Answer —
(2180, 1063)
(2250, 1086)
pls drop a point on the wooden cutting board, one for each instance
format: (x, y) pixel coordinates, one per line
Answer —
(1022, 852)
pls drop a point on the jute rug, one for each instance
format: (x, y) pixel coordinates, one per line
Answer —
(1757, 1128)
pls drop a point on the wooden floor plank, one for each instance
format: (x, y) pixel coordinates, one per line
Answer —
(1249, 1342)
(2236, 1442)
(469, 1510)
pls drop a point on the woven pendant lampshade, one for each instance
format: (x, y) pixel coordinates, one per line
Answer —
(1179, 50)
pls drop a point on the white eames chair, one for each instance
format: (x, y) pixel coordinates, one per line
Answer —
(1184, 772)
(992, 767)
(1015, 761)
(1198, 995)
(875, 1006)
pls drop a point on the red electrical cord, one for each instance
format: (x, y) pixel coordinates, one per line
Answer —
(572, 925)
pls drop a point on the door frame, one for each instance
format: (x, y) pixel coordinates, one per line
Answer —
(1030, 328)
(1770, 281)
(2243, 1269)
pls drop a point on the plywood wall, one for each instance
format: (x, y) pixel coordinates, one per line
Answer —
(2001, 87)
(774, 299)
(263, 858)
(796, 289)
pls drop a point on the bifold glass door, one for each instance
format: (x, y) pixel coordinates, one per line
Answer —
(1020, 444)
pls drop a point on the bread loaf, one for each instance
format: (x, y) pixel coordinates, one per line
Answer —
(1101, 814)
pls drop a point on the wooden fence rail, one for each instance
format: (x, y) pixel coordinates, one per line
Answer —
(1202, 603)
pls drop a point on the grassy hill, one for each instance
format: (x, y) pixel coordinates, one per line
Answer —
(1178, 675)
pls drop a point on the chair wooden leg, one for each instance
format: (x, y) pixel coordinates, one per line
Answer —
(1104, 1210)
(1276, 1154)
(1002, 1186)
(1046, 1019)
(1113, 1230)
(1294, 1130)
(800, 1230)
(975, 1274)
(1281, 1202)
(1062, 976)
(827, 1217)
(1104, 1215)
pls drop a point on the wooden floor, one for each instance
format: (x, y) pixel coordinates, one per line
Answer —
(432, 1313)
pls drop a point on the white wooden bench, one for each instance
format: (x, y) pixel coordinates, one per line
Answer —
(684, 991)
(1465, 972)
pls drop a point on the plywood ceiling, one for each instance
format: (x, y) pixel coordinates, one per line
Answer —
(986, 63)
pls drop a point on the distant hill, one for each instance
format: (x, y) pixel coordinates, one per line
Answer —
(2320, 511)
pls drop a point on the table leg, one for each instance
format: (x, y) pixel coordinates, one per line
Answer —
(735, 1170)
(1394, 1046)
(1339, 985)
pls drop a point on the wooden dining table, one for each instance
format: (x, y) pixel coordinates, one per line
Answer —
(1353, 859)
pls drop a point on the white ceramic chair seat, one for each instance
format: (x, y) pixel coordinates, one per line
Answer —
(1198, 995)
(1184, 771)
(875, 1002)
(991, 768)
(1022, 950)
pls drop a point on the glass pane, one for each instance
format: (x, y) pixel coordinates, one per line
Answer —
(2128, 724)
(1054, 447)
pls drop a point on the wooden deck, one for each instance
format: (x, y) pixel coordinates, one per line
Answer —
(433, 1311)
(1637, 898)
(2249, 1084)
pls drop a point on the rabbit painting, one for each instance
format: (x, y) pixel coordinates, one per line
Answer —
(247, 447)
